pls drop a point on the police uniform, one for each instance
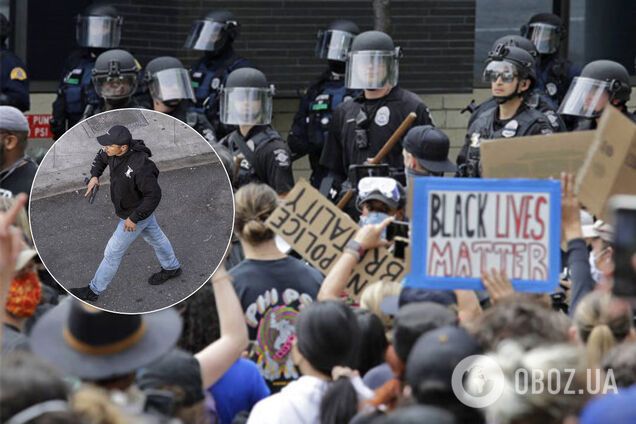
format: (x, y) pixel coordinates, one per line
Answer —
(132, 102)
(14, 81)
(352, 140)
(186, 112)
(488, 126)
(554, 75)
(310, 127)
(266, 158)
(75, 92)
(537, 100)
(208, 75)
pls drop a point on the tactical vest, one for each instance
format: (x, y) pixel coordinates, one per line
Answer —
(247, 169)
(207, 82)
(78, 90)
(320, 112)
(519, 126)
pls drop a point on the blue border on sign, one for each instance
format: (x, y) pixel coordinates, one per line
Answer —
(423, 185)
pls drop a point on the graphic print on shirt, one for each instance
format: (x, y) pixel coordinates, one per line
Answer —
(274, 317)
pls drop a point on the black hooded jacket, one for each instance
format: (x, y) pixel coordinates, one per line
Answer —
(134, 189)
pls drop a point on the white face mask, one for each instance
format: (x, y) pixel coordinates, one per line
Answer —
(596, 273)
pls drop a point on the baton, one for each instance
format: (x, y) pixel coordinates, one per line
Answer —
(91, 198)
(395, 137)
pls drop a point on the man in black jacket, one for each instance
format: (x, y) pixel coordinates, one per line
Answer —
(135, 193)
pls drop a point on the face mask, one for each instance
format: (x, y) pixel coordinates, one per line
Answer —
(373, 218)
(596, 273)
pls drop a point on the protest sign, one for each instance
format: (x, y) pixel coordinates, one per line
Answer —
(461, 227)
(537, 156)
(319, 231)
(610, 166)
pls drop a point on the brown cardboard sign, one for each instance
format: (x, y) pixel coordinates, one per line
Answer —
(319, 231)
(610, 165)
(537, 156)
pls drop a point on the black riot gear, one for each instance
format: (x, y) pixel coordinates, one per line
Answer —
(99, 27)
(213, 32)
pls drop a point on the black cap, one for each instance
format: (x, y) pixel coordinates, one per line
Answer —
(247, 78)
(430, 146)
(372, 40)
(436, 354)
(178, 369)
(118, 134)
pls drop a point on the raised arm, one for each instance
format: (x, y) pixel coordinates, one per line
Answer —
(219, 356)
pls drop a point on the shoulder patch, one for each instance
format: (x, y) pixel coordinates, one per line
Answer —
(18, 73)
(281, 157)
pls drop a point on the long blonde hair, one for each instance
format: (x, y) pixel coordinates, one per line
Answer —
(254, 204)
(602, 322)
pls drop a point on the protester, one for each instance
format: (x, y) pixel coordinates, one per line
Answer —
(272, 287)
(602, 322)
(17, 169)
(373, 341)
(327, 337)
(425, 151)
(379, 198)
(622, 361)
(375, 295)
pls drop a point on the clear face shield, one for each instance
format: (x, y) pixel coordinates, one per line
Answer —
(115, 87)
(171, 84)
(205, 36)
(372, 69)
(586, 98)
(545, 37)
(246, 106)
(98, 31)
(334, 45)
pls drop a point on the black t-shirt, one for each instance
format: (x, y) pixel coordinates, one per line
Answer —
(19, 177)
(272, 293)
(384, 116)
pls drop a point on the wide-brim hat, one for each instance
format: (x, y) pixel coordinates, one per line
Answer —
(93, 344)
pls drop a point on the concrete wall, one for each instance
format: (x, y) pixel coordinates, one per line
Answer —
(173, 145)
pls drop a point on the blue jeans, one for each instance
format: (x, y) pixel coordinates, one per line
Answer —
(119, 243)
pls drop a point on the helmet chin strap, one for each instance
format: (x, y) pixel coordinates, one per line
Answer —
(503, 99)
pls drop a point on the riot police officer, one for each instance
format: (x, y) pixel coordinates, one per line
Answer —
(311, 123)
(511, 73)
(554, 73)
(362, 126)
(14, 81)
(171, 91)
(537, 99)
(246, 101)
(601, 82)
(115, 81)
(96, 30)
(214, 35)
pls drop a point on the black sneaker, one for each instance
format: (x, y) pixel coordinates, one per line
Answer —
(84, 293)
(163, 276)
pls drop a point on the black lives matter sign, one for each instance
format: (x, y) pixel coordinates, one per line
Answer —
(319, 231)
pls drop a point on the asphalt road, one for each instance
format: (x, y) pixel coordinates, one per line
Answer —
(195, 213)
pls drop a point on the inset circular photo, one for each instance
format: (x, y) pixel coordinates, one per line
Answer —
(131, 211)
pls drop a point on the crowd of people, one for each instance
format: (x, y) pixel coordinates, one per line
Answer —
(270, 339)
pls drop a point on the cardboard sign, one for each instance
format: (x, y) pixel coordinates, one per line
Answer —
(461, 227)
(319, 231)
(537, 156)
(39, 126)
(610, 166)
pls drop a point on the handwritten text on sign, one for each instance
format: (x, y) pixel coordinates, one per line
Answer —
(463, 227)
(319, 231)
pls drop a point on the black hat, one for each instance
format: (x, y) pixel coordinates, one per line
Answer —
(436, 354)
(117, 134)
(176, 368)
(430, 146)
(95, 345)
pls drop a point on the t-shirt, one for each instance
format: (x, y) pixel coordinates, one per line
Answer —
(272, 293)
(240, 388)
